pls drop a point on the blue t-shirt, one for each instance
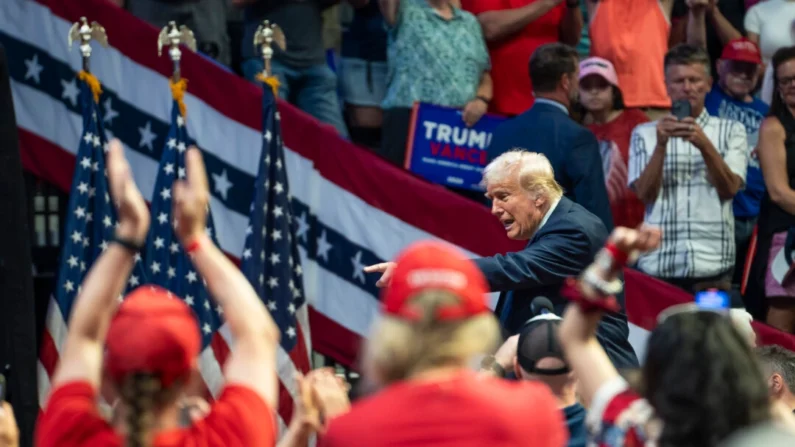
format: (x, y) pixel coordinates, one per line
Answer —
(575, 421)
(750, 114)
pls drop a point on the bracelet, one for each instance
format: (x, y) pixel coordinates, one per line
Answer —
(572, 4)
(129, 244)
(490, 363)
(571, 292)
(195, 244)
(484, 99)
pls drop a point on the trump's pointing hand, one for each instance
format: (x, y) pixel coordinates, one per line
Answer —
(387, 268)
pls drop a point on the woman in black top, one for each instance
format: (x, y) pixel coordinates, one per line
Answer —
(777, 216)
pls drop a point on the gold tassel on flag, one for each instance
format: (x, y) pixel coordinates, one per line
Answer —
(178, 89)
(93, 83)
(273, 81)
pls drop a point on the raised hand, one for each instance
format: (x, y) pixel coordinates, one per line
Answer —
(191, 198)
(331, 393)
(9, 432)
(130, 204)
(387, 268)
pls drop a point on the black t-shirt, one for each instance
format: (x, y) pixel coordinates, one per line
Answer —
(302, 23)
(733, 10)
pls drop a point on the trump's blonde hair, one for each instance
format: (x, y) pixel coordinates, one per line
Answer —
(535, 173)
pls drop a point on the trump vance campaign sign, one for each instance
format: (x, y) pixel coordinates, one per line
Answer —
(442, 149)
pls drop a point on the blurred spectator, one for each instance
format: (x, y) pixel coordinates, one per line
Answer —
(436, 55)
(514, 29)
(778, 365)
(536, 354)
(305, 77)
(363, 72)
(768, 435)
(777, 213)
(730, 98)
(616, 29)
(699, 382)
(771, 24)
(711, 24)
(687, 172)
(604, 113)
(206, 18)
(9, 432)
(548, 129)
(435, 320)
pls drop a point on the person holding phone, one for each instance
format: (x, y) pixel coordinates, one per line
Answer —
(686, 168)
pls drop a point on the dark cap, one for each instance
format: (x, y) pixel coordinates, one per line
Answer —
(538, 339)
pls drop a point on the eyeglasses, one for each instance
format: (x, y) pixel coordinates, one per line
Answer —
(786, 81)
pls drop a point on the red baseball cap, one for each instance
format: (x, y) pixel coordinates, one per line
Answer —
(741, 50)
(434, 265)
(153, 332)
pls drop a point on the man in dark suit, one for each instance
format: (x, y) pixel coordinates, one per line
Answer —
(563, 239)
(548, 129)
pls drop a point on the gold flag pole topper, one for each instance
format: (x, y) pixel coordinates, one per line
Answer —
(82, 32)
(266, 35)
(172, 36)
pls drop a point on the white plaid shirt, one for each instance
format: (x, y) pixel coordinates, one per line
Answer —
(697, 227)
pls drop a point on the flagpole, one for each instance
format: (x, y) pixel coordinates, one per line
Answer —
(172, 37)
(83, 32)
(266, 35)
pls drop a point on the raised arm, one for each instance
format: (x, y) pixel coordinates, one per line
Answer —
(502, 24)
(577, 333)
(252, 362)
(96, 303)
(572, 23)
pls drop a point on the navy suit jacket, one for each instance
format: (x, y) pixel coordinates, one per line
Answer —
(571, 149)
(562, 248)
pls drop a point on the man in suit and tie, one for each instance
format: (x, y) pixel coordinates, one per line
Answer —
(563, 239)
(548, 129)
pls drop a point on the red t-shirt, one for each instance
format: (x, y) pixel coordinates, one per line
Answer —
(467, 411)
(510, 57)
(627, 209)
(238, 418)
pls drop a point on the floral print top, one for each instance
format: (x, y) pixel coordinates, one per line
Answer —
(432, 59)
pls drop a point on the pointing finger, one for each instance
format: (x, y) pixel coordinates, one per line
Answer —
(376, 268)
(197, 175)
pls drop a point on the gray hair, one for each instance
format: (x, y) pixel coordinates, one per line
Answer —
(535, 173)
(778, 360)
(687, 54)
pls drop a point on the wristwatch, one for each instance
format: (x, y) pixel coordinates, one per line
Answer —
(489, 363)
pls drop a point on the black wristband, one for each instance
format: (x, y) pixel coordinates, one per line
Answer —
(489, 363)
(572, 4)
(484, 99)
(129, 244)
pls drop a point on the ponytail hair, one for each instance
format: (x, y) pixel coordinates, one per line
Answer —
(777, 107)
(142, 394)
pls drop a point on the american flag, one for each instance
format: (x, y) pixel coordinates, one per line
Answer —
(90, 226)
(270, 258)
(166, 262)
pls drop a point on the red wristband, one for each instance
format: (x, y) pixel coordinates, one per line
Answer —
(193, 245)
(620, 257)
(571, 292)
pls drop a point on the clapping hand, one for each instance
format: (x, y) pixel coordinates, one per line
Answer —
(130, 204)
(191, 198)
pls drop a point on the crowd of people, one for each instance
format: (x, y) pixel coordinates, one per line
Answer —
(652, 134)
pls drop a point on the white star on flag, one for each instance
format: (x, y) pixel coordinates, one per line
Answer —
(33, 69)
